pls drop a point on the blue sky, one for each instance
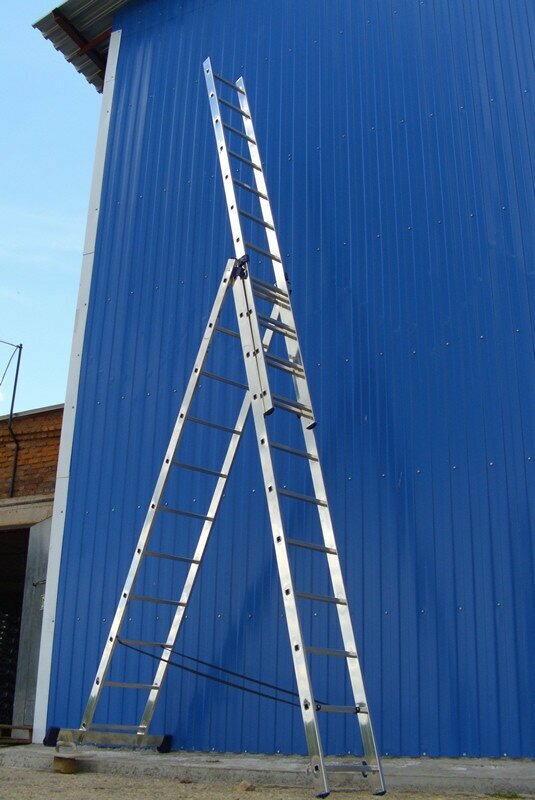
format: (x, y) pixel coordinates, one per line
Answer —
(47, 142)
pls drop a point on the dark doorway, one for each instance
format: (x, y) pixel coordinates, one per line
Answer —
(13, 556)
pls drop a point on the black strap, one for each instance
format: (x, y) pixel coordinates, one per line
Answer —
(222, 680)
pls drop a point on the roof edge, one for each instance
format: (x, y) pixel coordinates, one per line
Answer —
(80, 30)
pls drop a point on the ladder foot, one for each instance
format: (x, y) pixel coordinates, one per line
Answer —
(165, 746)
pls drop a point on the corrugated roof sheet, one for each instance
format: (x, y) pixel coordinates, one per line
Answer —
(90, 18)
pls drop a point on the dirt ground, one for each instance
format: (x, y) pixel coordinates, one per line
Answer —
(18, 783)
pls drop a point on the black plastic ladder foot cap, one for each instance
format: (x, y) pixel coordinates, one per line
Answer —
(165, 745)
(51, 737)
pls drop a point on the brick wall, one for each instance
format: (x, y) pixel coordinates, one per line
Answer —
(38, 434)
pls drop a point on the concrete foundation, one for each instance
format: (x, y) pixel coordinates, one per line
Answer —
(443, 776)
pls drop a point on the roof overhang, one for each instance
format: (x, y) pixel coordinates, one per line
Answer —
(80, 29)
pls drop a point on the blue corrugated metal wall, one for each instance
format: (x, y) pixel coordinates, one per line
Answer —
(398, 142)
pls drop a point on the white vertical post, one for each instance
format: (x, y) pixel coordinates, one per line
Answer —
(71, 398)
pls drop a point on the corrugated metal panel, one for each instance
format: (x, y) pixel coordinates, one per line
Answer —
(90, 18)
(398, 141)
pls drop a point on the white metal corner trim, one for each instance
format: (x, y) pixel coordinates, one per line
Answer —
(71, 399)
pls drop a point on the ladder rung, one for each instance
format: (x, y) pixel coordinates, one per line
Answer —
(319, 548)
(140, 643)
(250, 189)
(227, 331)
(285, 449)
(216, 425)
(245, 160)
(322, 598)
(145, 599)
(233, 107)
(195, 468)
(363, 768)
(265, 253)
(239, 133)
(289, 405)
(304, 497)
(183, 513)
(327, 709)
(326, 651)
(108, 726)
(277, 327)
(222, 379)
(284, 365)
(228, 83)
(124, 685)
(272, 297)
(169, 557)
(256, 283)
(258, 220)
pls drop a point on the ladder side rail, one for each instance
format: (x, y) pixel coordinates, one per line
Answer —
(152, 511)
(300, 663)
(346, 626)
(286, 314)
(232, 204)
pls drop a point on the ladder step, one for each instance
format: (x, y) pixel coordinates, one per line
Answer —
(108, 726)
(277, 327)
(290, 405)
(304, 497)
(169, 557)
(319, 548)
(239, 133)
(327, 709)
(258, 220)
(145, 599)
(250, 189)
(221, 379)
(124, 685)
(272, 297)
(234, 108)
(265, 253)
(256, 283)
(284, 365)
(227, 331)
(363, 768)
(228, 83)
(183, 513)
(245, 160)
(285, 449)
(140, 643)
(326, 651)
(208, 424)
(195, 468)
(321, 598)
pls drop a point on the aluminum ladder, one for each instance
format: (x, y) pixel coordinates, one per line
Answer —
(264, 316)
